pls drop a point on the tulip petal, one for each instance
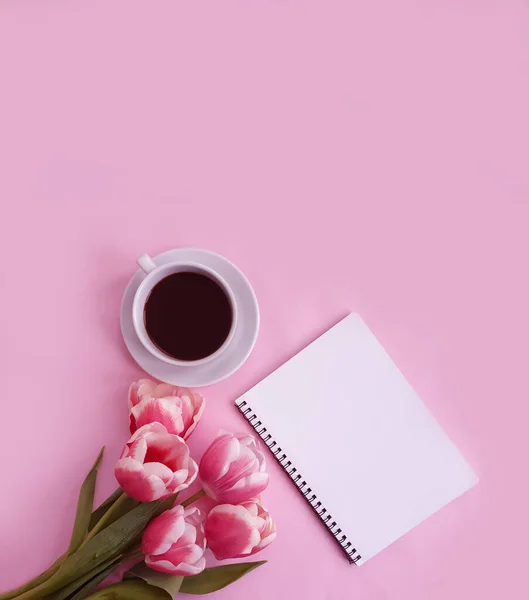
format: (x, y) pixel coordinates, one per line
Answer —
(138, 389)
(132, 479)
(188, 570)
(175, 531)
(187, 405)
(265, 542)
(233, 469)
(194, 516)
(146, 430)
(181, 569)
(189, 554)
(198, 409)
(249, 487)
(243, 466)
(218, 457)
(160, 464)
(249, 442)
(161, 410)
(164, 531)
(164, 566)
(137, 449)
(252, 508)
(179, 409)
(163, 390)
(230, 532)
(179, 481)
(183, 478)
(159, 470)
(178, 451)
(188, 536)
(166, 448)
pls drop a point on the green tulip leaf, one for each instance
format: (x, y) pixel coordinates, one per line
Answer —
(102, 509)
(132, 589)
(90, 585)
(96, 516)
(120, 507)
(169, 583)
(216, 578)
(109, 543)
(82, 586)
(84, 507)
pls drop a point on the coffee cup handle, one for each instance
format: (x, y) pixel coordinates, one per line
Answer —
(146, 263)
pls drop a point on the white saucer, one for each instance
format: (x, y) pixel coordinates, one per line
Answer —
(235, 354)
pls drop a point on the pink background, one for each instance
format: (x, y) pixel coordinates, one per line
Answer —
(346, 155)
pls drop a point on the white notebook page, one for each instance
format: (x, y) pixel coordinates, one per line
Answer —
(366, 444)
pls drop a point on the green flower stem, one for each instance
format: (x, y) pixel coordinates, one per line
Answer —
(102, 508)
(193, 498)
(35, 593)
(129, 590)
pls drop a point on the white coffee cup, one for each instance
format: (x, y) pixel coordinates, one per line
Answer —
(153, 275)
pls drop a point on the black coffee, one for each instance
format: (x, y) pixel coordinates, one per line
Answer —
(188, 316)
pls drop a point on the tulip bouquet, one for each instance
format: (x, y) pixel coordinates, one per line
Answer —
(141, 529)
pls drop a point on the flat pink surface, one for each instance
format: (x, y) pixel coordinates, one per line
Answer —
(371, 156)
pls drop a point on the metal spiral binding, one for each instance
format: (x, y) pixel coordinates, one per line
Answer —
(295, 476)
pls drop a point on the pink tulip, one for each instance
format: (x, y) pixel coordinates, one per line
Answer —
(174, 542)
(233, 468)
(237, 531)
(177, 408)
(155, 464)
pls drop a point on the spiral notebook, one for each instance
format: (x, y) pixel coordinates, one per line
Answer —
(356, 440)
